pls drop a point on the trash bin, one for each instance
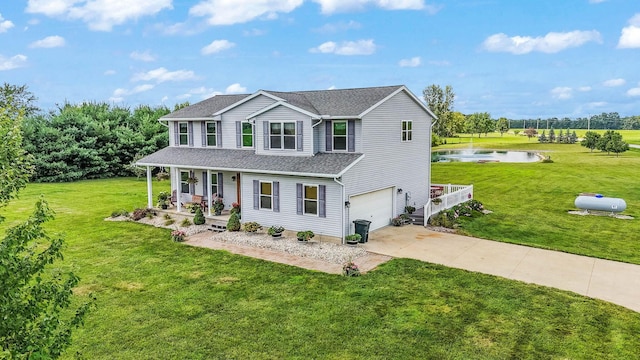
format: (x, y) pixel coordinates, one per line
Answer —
(362, 228)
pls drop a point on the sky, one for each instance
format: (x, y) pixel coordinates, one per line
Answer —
(517, 59)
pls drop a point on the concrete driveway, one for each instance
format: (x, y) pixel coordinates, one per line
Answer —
(612, 281)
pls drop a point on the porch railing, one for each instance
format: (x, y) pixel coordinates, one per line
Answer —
(449, 196)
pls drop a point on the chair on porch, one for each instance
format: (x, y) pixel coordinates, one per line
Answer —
(198, 199)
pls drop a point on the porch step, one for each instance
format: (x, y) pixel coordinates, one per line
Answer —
(218, 226)
(417, 218)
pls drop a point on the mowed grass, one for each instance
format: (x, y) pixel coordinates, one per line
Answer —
(162, 300)
(531, 201)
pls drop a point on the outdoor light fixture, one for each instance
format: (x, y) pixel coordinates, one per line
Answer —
(233, 178)
(347, 204)
(399, 191)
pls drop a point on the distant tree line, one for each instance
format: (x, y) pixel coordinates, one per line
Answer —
(604, 121)
(87, 140)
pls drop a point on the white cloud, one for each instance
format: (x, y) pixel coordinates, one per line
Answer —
(235, 89)
(48, 42)
(562, 93)
(596, 1)
(12, 62)
(338, 27)
(553, 42)
(360, 47)
(614, 82)
(217, 46)
(634, 91)
(120, 93)
(145, 56)
(332, 6)
(413, 62)
(5, 24)
(161, 75)
(630, 37)
(253, 32)
(110, 72)
(228, 12)
(99, 15)
(584, 88)
(440, 63)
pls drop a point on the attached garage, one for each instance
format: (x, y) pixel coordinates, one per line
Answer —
(375, 206)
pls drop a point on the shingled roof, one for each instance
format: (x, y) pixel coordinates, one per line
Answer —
(341, 102)
(328, 165)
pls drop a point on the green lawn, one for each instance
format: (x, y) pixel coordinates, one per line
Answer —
(530, 201)
(159, 300)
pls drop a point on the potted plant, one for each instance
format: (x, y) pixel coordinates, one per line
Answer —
(436, 201)
(252, 227)
(163, 199)
(305, 235)
(217, 206)
(178, 235)
(162, 175)
(397, 221)
(192, 180)
(409, 209)
(352, 239)
(350, 269)
(275, 231)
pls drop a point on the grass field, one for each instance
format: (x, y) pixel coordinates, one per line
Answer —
(530, 201)
(161, 300)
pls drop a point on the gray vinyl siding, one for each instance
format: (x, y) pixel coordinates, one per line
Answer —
(388, 161)
(287, 216)
(240, 113)
(284, 114)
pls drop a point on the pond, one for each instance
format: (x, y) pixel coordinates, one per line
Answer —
(477, 155)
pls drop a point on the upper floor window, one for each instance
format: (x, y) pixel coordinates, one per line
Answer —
(407, 130)
(282, 135)
(247, 134)
(340, 135)
(266, 195)
(211, 133)
(183, 131)
(310, 200)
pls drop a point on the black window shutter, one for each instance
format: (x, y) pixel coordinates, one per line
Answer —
(220, 184)
(238, 134)
(190, 129)
(351, 135)
(203, 133)
(329, 135)
(299, 199)
(322, 196)
(205, 184)
(256, 194)
(219, 133)
(276, 196)
(265, 134)
(299, 138)
(176, 133)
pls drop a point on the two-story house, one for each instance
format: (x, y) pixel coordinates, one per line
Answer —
(305, 160)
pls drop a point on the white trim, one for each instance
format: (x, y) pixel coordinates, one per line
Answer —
(317, 186)
(285, 104)
(260, 182)
(282, 135)
(206, 134)
(346, 136)
(248, 98)
(408, 131)
(413, 97)
(179, 144)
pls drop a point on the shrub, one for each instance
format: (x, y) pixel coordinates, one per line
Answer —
(167, 216)
(169, 222)
(275, 229)
(234, 223)
(409, 209)
(305, 235)
(397, 221)
(252, 226)
(353, 237)
(121, 212)
(178, 235)
(235, 208)
(185, 222)
(198, 219)
(139, 213)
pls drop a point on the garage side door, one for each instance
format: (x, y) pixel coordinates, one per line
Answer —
(376, 206)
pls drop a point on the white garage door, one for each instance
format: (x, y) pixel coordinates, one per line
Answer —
(376, 206)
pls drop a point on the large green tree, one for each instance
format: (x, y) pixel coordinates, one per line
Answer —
(17, 98)
(502, 125)
(440, 101)
(611, 142)
(590, 140)
(34, 299)
(478, 123)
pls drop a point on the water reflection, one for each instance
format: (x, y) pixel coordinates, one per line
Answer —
(470, 155)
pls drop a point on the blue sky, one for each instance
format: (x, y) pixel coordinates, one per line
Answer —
(519, 59)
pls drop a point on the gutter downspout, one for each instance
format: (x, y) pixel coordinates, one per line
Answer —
(343, 209)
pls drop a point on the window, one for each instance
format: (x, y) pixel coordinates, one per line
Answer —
(214, 183)
(184, 184)
(340, 135)
(310, 200)
(266, 195)
(211, 133)
(183, 130)
(407, 130)
(247, 134)
(282, 135)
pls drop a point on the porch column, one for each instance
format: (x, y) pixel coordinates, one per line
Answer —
(149, 188)
(178, 186)
(210, 195)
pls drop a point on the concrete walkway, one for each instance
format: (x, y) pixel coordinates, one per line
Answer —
(612, 281)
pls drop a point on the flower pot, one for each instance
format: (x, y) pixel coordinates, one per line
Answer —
(352, 242)
(164, 206)
(276, 235)
(218, 212)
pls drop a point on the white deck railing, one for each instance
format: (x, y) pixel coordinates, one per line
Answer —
(449, 195)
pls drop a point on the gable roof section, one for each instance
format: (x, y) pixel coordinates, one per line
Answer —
(325, 165)
(340, 103)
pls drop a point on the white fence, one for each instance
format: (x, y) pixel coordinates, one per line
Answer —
(449, 196)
